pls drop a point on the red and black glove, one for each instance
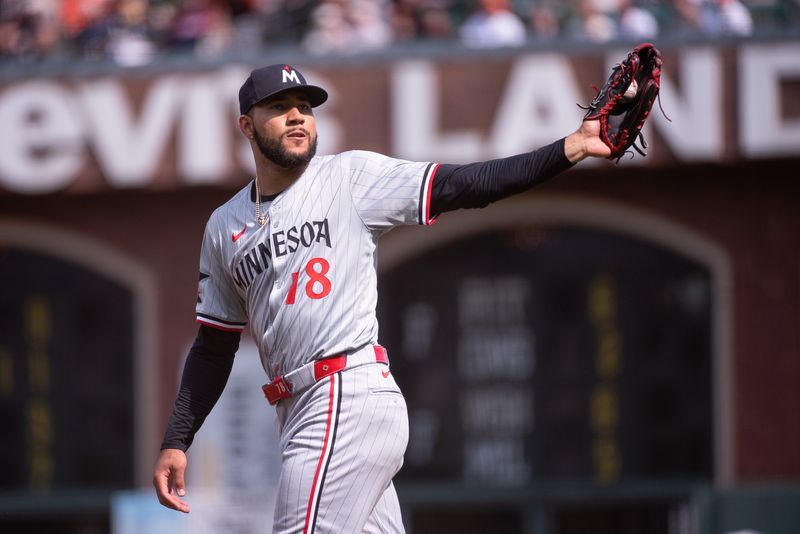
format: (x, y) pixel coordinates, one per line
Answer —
(622, 116)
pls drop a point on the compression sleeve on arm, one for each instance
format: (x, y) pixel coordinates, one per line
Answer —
(205, 374)
(476, 185)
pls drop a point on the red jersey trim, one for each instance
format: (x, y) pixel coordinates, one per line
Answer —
(426, 188)
(219, 326)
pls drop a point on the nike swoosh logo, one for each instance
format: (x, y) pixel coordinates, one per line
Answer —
(235, 237)
(386, 374)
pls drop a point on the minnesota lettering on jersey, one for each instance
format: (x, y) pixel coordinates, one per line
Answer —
(259, 258)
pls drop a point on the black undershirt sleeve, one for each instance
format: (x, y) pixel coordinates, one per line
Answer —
(205, 374)
(476, 185)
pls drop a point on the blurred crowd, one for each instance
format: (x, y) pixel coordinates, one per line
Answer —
(134, 32)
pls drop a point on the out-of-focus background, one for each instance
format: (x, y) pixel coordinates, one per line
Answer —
(616, 351)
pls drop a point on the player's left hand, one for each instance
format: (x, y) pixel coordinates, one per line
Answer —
(585, 142)
(595, 147)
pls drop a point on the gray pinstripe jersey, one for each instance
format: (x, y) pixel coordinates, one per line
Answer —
(305, 283)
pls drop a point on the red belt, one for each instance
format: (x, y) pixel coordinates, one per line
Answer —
(285, 386)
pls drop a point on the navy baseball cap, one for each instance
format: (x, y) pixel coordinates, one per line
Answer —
(274, 79)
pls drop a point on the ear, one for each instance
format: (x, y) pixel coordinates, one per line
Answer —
(246, 126)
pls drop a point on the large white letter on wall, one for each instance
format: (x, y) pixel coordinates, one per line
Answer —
(204, 131)
(128, 149)
(415, 119)
(696, 130)
(763, 131)
(41, 141)
(539, 105)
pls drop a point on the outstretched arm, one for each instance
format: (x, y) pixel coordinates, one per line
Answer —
(205, 374)
(478, 184)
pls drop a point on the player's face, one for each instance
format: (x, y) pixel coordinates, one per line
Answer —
(285, 130)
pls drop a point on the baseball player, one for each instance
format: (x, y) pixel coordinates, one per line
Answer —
(291, 257)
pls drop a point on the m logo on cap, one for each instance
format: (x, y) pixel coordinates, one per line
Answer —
(289, 74)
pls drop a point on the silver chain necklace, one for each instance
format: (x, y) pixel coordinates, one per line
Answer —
(260, 219)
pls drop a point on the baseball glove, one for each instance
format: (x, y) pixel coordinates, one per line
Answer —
(624, 102)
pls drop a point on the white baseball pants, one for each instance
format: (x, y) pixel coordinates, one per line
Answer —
(342, 442)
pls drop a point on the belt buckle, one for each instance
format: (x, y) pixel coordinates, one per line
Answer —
(328, 366)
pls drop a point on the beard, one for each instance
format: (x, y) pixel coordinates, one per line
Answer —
(274, 151)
